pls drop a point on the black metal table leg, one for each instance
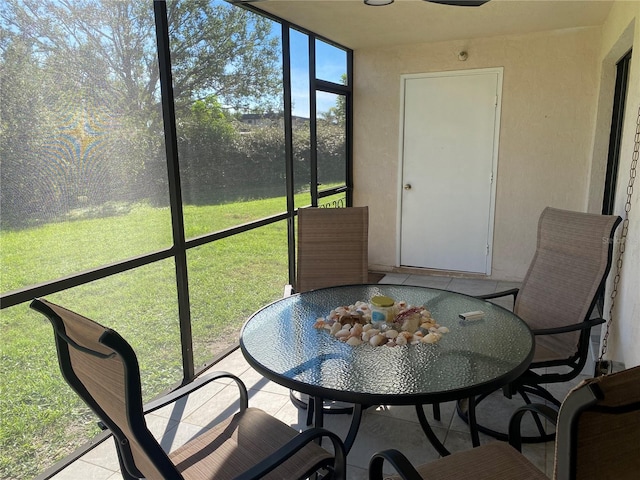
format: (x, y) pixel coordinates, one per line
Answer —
(473, 425)
(355, 425)
(436, 412)
(329, 406)
(318, 411)
(435, 441)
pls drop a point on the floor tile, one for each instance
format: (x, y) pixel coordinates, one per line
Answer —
(255, 381)
(179, 435)
(81, 470)
(408, 413)
(504, 302)
(470, 286)
(357, 473)
(504, 285)
(186, 405)
(428, 281)
(234, 363)
(104, 455)
(225, 404)
(379, 432)
(394, 278)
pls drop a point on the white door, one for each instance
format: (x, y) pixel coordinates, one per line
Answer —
(449, 147)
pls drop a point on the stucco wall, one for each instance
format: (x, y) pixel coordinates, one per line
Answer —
(549, 103)
(620, 32)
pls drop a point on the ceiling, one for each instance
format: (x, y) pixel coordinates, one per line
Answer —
(356, 25)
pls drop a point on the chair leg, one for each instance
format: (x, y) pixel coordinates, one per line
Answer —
(536, 417)
(524, 392)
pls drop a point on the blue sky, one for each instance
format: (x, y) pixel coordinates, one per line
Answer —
(331, 63)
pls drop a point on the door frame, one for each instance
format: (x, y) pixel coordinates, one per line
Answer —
(499, 71)
(615, 135)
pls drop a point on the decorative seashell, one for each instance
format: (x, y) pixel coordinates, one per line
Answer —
(335, 328)
(356, 331)
(320, 323)
(344, 333)
(401, 340)
(391, 333)
(354, 341)
(350, 318)
(411, 323)
(433, 329)
(366, 327)
(431, 338)
(443, 330)
(378, 340)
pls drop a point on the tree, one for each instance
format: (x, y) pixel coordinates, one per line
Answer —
(215, 48)
(100, 57)
(337, 115)
(23, 129)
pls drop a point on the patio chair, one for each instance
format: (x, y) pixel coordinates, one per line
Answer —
(598, 438)
(565, 279)
(102, 369)
(332, 248)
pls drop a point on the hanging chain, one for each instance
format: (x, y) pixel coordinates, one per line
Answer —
(622, 242)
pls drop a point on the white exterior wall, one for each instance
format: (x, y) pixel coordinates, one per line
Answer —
(548, 114)
(556, 114)
(620, 32)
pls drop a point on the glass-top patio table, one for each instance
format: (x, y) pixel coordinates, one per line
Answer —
(474, 357)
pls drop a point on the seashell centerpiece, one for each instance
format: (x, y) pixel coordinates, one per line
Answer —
(405, 325)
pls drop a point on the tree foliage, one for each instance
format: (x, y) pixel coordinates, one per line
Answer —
(80, 119)
(80, 80)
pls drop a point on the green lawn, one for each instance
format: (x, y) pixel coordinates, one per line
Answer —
(41, 420)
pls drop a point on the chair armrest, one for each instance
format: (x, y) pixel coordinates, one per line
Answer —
(398, 461)
(288, 291)
(513, 291)
(295, 445)
(195, 385)
(569, 328)
(515, 437)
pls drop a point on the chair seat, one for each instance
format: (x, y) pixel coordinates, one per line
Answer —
(490, 462)
(237, 444)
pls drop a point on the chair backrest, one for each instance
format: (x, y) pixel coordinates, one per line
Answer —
(567, 273)
(598, 432)
(102, 369)
(332, 247)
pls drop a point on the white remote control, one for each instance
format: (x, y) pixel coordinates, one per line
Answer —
(476, 315)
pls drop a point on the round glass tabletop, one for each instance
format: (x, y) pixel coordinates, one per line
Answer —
(475, 356)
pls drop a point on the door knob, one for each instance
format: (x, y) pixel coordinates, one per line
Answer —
(407, 186)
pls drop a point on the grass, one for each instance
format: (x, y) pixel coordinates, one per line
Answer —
(41, 419)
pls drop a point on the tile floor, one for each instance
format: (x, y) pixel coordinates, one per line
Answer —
(382, 427)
